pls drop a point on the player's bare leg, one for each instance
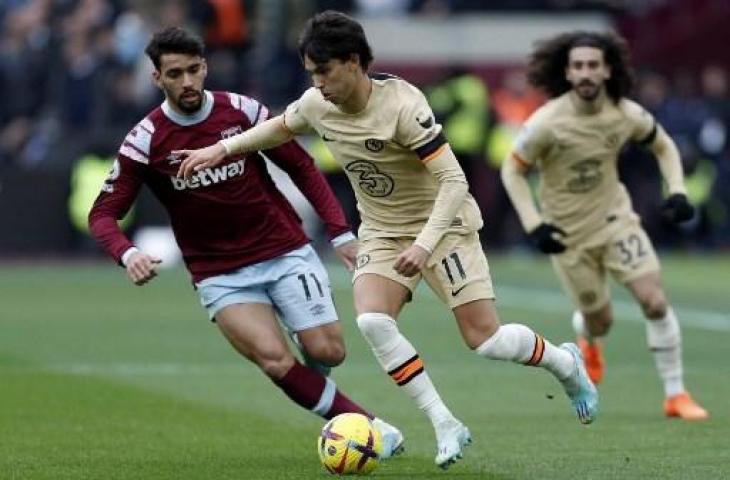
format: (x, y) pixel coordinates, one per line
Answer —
(590, 328)
(664, 338)
(253, 330)
(321, 347)
(482, 332)
(378, 301)
(324, 343)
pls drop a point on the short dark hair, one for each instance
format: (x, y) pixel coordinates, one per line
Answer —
(546, 69)
(332, 34)
(173, 40)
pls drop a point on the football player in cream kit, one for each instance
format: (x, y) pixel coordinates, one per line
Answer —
(586, 221)
(418, 219)
(251, 263)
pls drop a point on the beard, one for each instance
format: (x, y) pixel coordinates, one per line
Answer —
(189, 104)
(587, 90)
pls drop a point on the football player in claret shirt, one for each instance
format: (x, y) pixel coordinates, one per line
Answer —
(418, 220)
(241, 240)
(586, 221)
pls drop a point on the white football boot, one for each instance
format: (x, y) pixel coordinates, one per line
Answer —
(579, 388)
(393, 441)
(451, 437)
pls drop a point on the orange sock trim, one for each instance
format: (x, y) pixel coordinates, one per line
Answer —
(407, 370)
(536, 357)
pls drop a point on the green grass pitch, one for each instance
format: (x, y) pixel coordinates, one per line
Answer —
(100, 379)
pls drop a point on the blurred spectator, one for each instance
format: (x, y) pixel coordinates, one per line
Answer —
(278, 71)
(226, 29)
(130, 37)
(514, 101)
(24, 57)
(225, 23)
(78, 80)
(713, 142)
(13, 137)
(713, 134)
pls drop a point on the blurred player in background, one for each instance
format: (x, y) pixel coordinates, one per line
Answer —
(241, 240)
(586, 222)
(417, 219)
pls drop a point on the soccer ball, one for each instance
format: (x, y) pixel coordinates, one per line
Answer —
(350, 444)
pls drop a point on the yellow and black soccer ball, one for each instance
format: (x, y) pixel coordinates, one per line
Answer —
(349, 444)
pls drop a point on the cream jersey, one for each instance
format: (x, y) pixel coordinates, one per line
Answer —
(383, 150)
(575, 151)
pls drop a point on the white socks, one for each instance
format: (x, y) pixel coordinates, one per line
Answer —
(580, 328)
(665, 342)
(518, 343)
(399, 359)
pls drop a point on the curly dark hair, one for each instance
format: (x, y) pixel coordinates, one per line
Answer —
(546, 68)
(333, 34)
(173, 40)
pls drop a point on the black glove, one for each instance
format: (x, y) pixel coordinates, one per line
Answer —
(677, 209)
(545, 238)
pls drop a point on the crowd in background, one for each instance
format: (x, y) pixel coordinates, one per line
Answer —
(75, 79)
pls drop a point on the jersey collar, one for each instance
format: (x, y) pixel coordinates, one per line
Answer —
(192, 119)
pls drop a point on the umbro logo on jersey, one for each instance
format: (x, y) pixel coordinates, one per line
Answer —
(231, 132)
(210, 176)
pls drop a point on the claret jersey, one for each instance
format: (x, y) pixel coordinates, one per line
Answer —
(224, 217)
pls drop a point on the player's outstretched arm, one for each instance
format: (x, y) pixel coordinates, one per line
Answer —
(196, 160)
(269, 134)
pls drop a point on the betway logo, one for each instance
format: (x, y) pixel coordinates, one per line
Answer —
(209, 176)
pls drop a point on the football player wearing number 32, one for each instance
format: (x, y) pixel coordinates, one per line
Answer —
(586, 222)
(417, 219)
